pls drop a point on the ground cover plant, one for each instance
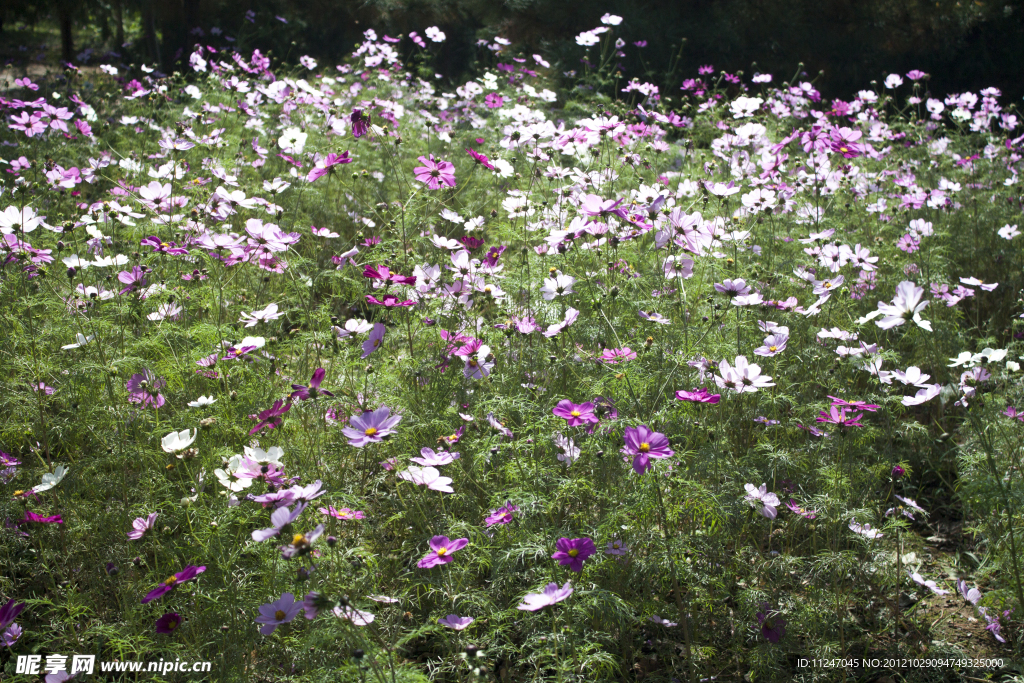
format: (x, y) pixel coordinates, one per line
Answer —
(334, 373)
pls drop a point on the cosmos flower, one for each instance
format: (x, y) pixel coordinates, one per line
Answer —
(429, 458)
(374, 340)
(144, 388)
(357, 617)
(343, 513)
(441, 549)
(865, 530)
(281, 611)
(552, 594)
(141, 525)
(304, 393)
(427, 476)
(435, 173)
(456, 622)
(643, 443)
(927, 583)
(187, 574)
(701, 395)
(575, 414)
(502, 515)
(177, 441)
(761, 500)
(168, 623)
(616, 547)
(837, 415)
(370, 427)
(771, 623)
(615, 356)
(279, 518)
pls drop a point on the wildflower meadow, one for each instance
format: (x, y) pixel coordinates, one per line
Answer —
(346, 372)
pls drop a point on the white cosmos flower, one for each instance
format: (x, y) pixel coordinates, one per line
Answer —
(202, 401)
(82, 341)
(272, 454)
(427, 476)
(178, 441)
(50, 480)
(292, 140)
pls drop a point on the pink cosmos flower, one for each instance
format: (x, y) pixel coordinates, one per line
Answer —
(343, 513)
(435, 173)
(837, 416)
(763, 501)
(701, 395)
(502, 515)
(389, 301)
(614, 356)
(552, 594)
(456, 622)
(441, 548)
(141, 525)
(324, 166)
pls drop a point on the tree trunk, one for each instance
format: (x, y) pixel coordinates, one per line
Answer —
(149, 26)
(67, 38)
(119, 24)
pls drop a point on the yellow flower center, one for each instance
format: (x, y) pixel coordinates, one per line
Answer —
(827, 285)
(573, 552)
(279, 615)
(575, 413)
(773, 349)
(370, 431)
(472, 363)
(171, 580)
(18, 493)
(172, 624)
(297, 539)
(644, 448)
(442, 551)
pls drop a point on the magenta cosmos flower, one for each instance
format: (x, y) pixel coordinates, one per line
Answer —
(772, 624)
(390, 301)
(502, 515)
(441, 548)
(701, 395)
(370, 427)
(643, 443)
(144, 387)
(552, 594)
(168, 623)
(304, 393)
(435, 173)
(573, 551)
(837, 415)
(170, 583)
(576, 414)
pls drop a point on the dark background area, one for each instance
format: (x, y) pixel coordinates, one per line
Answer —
(962, 45)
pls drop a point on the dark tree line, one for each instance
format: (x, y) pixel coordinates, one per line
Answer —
(963, 44)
